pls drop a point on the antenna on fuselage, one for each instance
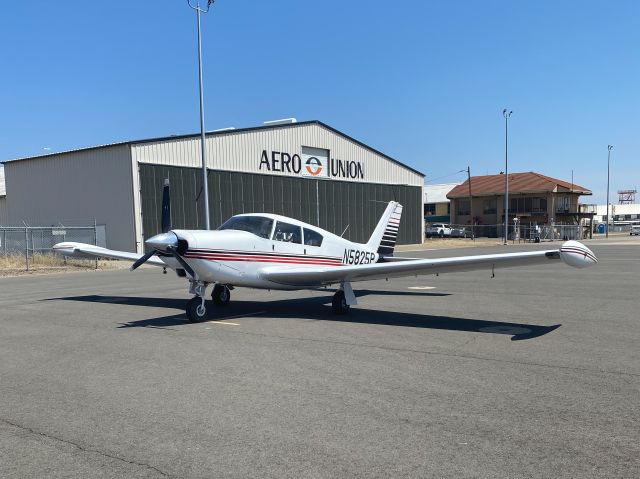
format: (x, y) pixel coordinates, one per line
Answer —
(345, 230)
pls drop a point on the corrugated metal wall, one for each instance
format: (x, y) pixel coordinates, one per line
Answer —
(74, 188)
(342, 204)
(241, 151)
(4, 214)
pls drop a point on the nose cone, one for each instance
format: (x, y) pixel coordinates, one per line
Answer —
(162, 241)
(577, 255)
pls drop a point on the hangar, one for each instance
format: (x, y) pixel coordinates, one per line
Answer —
(306, 170)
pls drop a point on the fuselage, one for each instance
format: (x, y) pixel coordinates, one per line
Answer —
(237, 256)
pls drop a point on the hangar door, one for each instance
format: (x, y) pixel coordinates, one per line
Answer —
(335, 206)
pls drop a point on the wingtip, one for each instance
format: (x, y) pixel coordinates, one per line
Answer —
(577, 255)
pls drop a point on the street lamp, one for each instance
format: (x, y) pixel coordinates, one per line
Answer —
(609, 148)
(473, 230)
(205, 186)
(506, 113)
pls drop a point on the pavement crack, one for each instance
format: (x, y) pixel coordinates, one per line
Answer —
(83, 448)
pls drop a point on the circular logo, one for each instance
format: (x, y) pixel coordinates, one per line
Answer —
(313, 166)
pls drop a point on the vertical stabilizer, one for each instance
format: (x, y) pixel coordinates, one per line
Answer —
(383, 239)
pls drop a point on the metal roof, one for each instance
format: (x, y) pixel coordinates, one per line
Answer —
(528, 182)
(438, 193)
(222, 133)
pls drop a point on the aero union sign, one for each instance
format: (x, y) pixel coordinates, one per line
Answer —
(315, 164)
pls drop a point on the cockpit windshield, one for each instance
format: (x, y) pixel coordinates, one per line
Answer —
(258, 225)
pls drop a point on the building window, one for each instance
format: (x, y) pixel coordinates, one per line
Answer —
(539, 205)
(430, 209)
(563, 204)
(464, 207)
(489, 207)
(528, 205)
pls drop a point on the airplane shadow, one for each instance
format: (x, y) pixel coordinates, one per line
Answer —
(316, 308)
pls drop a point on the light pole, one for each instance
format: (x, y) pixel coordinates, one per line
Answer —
(205, 186)
(473, 230)
(506, 113)
(609, 148)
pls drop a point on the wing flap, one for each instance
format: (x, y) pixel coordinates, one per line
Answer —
(318, 276)
(82, 250)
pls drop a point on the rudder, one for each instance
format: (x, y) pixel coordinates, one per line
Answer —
(385, 235)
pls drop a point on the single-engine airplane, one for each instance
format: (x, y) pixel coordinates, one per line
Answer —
(269, 251)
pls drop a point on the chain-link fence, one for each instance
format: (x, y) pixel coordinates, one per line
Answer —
(30, 247)
(519, 233)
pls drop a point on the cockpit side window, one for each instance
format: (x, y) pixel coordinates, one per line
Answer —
(311, 238)
(287, 232)
(258, 225)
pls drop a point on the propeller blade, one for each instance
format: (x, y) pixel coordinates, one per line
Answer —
(158, 241)
(142, 260)
(181, 260)
(166, 207)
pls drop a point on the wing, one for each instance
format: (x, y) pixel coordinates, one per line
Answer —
(82, 250)
(577, 256)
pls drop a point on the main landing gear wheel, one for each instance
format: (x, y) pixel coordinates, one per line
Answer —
(196, 310)
(220, 295)
(339, 303)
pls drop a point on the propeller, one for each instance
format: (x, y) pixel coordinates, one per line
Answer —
(142, 259)
(165, 222)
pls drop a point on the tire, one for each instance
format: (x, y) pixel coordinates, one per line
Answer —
(339, 303)
(220, 295)
(441, 233)
(195, 313)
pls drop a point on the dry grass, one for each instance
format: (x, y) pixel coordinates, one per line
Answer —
(15, 264)
(448, 243)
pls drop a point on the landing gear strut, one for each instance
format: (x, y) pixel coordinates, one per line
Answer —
(220, 295)
(343, 299)
(196, 306)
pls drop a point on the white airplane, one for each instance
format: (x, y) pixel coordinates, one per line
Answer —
(269, 251)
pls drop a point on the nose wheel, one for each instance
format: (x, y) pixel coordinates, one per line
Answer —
(196, 309)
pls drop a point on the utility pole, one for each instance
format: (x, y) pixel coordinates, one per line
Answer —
(609, 148)
(205, 185)
(506, 113)
(473, 230)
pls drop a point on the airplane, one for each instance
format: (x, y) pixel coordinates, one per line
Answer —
(269, 251)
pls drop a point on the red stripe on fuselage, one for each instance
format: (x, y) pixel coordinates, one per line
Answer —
(261, 259)
(262, 254)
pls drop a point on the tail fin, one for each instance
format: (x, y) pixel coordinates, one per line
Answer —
(385, 235)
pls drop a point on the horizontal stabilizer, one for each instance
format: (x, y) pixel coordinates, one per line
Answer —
(83, 250)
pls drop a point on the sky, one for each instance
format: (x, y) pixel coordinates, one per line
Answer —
(425, 82)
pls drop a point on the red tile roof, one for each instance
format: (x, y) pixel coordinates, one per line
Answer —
(519, 183)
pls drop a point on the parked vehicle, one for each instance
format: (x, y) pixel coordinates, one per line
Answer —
(461, 232)
(438, 229)
(635, 230)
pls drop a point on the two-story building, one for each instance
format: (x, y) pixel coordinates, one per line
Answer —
(534, 199)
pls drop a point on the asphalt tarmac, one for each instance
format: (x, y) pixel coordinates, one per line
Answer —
(534, 374)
